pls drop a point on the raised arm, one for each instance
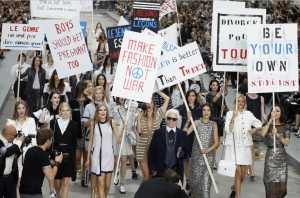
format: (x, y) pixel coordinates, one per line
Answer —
(166, 98)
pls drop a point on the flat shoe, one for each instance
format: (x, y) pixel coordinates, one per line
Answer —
(122, 190)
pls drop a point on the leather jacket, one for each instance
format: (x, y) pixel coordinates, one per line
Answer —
(30, 72)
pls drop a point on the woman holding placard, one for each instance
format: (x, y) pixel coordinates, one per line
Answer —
(275, 170)
(148, 120)
(238, 126)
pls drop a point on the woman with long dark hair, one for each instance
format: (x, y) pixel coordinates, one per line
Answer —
(59, 85)
(275, 169)
(35, 85)
(77, 104)
(196, 112)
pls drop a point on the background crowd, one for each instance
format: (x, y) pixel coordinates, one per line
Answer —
(88, 122)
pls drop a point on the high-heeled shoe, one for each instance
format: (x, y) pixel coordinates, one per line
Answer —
(252, 176)
(232, 195)
(116, 182)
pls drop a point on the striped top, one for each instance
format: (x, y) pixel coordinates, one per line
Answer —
(146, 136)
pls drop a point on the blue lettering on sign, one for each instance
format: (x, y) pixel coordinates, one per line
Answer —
(145, 24)
(117, 32)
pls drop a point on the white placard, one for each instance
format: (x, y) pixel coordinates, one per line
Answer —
(272, 58)
(179, 65)
(86, 5)
(224, 5)
(170, 33)
(68, 47)
(57, 9)
(22, 36)
(137, 66)
(230, 53)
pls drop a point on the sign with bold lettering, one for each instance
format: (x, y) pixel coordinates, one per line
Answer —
(58, 9)
(272, 58)
(68, 47)
(137, 66)
(22, 36)
(179, 65)
(224, 5)
(167, 7)
(230, 52)
(170, 33)
(115, 36)
(145, 15)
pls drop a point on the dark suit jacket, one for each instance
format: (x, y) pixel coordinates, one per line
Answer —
(159, 188)
(157, 150)
(13, 149)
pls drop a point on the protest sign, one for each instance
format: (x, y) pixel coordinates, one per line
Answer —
(179, 65)
(68, 47)
(22, 36)
(86, 6)
(115, 36)
(167, 7)
(272, 58)
(223, 5)
(137, 66)
(59, 9)
(170, 33)
(231, 40)
(145, 15)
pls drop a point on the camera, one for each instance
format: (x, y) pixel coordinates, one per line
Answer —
(28, 138)
(66, 156)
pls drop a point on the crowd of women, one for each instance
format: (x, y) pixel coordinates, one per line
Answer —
(89, 123)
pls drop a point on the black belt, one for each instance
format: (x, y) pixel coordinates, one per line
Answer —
(5, 176)
(87, 139)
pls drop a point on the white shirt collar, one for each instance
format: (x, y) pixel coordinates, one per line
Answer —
(169, 129)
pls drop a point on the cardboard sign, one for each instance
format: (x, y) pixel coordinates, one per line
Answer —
(167, 7)
(145, 15)
(22, 36)
(179, 65)
(58, 9)
(86, 6)
(137, 66)
(272, 58)
(224, 5)
(170, 33)
(68, 47)
(231, 41)
(115, 36)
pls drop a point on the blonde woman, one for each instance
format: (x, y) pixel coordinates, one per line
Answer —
(64, 140)
(100, 158)
(239, 122)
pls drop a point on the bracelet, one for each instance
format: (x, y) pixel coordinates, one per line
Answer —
(56, 163)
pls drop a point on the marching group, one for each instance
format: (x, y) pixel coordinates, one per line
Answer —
(87, 126)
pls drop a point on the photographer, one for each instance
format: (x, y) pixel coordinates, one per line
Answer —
(7, 152)
(37, 165)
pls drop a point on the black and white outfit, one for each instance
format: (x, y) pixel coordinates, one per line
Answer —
(65, 138)
(102, 159)
(23, 82)
(77, 107)
(66, 93)
(7, 180)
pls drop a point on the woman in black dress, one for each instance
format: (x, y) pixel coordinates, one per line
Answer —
(77, 105)
(64, 140)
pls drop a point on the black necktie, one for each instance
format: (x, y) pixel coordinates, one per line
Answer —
(171, 137)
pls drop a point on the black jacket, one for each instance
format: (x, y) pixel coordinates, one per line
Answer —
(30, 72)
(13, 149)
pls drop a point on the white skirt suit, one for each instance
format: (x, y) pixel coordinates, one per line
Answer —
(242, 136)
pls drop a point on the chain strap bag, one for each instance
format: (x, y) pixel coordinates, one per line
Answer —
(131, 135)
(227, 168)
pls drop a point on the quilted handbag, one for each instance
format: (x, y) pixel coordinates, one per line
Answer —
(226, 168)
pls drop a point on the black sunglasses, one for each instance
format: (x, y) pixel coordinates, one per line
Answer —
(173, 119)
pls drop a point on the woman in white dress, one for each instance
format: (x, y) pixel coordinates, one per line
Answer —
(239, 122)
(119, 115)
(100, 150)
(26, 124)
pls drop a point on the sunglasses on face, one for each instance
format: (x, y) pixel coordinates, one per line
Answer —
(173, 119)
